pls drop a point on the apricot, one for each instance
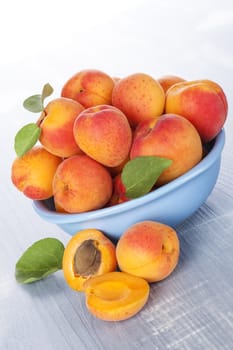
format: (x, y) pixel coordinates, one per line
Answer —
(114, 171)
(103, 133)
(88, 253)
(90, 87)
(169, 136)
(56, 123)
(116, 79)
(119, 192)
(33, 173)
(116, 296)
(81, 184)
(58, 208)
(202, 102)
(166, 81)
(139, 97)
(148, 249)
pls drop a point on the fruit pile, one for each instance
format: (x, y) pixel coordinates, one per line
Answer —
(105, 141)
(94, 136)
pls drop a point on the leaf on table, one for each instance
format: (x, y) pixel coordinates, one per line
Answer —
(141, 173)
(41, 259)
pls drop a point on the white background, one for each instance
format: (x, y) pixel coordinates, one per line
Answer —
(50, 40)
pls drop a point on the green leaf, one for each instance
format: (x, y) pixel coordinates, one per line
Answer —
(140, 174)
(34, 103)
(41, 259)
(26, 138)
(46, 92)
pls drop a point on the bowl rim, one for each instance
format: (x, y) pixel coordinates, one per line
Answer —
(205, 163)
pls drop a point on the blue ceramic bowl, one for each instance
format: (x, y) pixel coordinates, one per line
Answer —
(170, 204)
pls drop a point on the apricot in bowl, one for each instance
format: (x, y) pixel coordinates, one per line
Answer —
(170, 204)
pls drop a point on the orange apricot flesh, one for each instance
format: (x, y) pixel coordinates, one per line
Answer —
(88, 253)
(116, 296)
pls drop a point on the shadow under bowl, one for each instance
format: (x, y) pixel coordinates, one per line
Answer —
(170, 204)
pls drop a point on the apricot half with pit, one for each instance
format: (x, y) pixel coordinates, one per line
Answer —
(89, 253)
(116, 296)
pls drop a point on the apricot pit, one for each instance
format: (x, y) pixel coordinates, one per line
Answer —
(87, 258)
(88, 253)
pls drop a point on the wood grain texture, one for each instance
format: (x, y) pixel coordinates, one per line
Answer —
(193, 308)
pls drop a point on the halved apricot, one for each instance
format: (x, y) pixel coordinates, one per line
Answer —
(116, 296)
(88, 253)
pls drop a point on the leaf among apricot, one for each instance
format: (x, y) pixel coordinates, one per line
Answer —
(26, 138)
(29, 134)
(141, 173)
(35, 103)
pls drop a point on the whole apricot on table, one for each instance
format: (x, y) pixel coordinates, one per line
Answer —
(81, 184)
(170, 136)
(88, 253)
(139, 96)
(104, 134)
(56, 123)
(202, 102)
(33, 173)
(148, 249)
(116, 296)
(90, 87)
